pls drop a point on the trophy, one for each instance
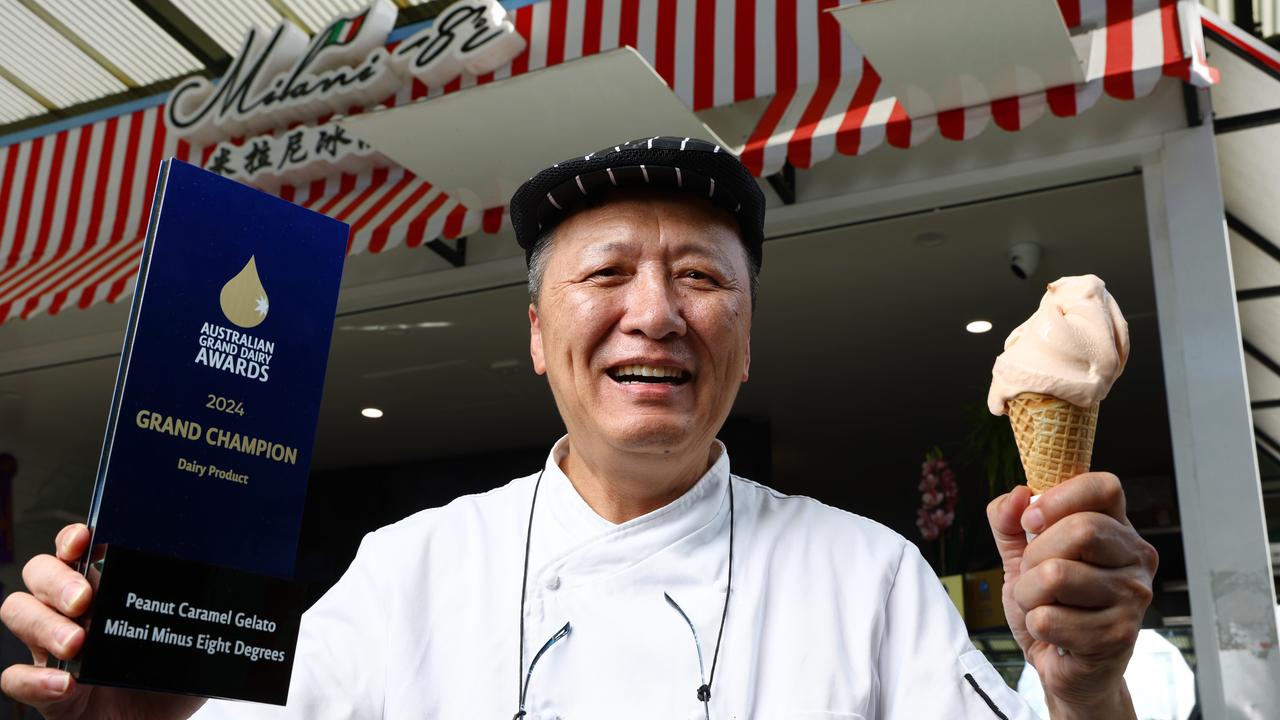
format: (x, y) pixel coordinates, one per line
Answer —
(198, 500)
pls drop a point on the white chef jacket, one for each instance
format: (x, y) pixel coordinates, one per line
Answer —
(831, 616)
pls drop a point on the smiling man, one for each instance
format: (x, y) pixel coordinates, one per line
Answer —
(641, 321)
(635, 576)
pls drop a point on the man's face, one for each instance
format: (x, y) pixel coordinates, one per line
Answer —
(643, 322)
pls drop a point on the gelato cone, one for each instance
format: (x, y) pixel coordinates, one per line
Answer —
(1055, 369)
(1055, 438)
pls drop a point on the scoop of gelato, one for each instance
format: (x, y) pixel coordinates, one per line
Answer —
(1073, 347)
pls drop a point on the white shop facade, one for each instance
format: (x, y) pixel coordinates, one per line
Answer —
(898, 178)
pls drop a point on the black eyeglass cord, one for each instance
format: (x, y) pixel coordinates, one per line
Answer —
(522, 680)
(704, 690)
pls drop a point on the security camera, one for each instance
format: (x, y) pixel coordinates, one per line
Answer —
(1024, 259)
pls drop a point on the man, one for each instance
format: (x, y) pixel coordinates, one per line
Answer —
(635, 576)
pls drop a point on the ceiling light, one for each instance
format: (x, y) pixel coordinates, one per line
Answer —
(372, 413)
(399, 327)
(978, 327)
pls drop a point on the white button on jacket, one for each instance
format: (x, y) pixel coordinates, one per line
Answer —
(831, 616)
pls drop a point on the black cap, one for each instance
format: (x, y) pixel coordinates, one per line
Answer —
(684, 165)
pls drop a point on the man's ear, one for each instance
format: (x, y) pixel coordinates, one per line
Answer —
(535, 342)
(746, 361)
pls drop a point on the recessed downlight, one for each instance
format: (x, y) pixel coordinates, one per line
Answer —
(978, 327)
(399, 327)
(371, 413)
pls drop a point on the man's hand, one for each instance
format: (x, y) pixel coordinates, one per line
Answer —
(1081, 586)
(42, 620)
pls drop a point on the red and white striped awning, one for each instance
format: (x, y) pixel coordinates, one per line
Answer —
(75, 203)
(850, 113)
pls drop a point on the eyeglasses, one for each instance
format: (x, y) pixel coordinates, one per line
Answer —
(704, 689)
(561, 634)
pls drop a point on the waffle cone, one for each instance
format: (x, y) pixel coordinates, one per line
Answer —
(1055, 438)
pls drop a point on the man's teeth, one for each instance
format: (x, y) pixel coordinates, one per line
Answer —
(634, 372)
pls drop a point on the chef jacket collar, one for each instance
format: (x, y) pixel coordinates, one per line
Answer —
(615, 547)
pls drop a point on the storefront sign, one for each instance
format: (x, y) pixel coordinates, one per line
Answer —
(285, 78)
(293, 157)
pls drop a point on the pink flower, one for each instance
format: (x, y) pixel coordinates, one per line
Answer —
(924, 521)
(942, 518)
(939, 493)
(931, 499)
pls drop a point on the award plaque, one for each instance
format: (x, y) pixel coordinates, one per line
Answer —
(198, 501)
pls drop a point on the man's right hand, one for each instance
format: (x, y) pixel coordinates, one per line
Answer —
(41, 618)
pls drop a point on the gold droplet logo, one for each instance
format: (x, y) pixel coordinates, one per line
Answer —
(244, 301)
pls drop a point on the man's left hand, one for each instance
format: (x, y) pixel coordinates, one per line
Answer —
(1081, 586)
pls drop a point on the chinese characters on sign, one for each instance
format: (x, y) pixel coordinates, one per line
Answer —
(293, 157)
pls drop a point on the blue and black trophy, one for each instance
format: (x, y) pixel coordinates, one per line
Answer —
(200, 489)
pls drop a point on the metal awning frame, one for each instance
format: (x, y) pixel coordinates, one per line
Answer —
(1229, 38)
(1248, 120)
